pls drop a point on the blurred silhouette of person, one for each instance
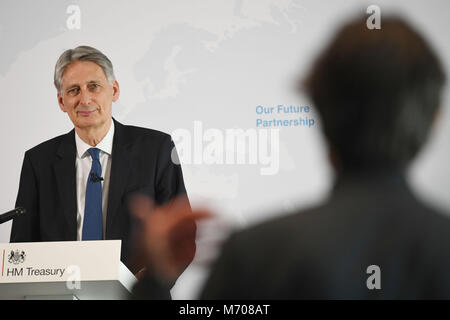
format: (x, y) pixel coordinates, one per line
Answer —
(378, 94)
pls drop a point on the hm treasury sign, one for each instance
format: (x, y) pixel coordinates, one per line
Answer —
(77, 268)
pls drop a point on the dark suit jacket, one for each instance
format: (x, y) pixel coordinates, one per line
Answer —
(141, 162)
(324, 253)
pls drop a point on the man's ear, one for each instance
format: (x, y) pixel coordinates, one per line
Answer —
(116, 91)
(436, 116)
(61, 103)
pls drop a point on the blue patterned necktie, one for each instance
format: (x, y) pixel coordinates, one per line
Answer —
(93, 217)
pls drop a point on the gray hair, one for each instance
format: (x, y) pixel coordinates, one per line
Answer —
(82, 53)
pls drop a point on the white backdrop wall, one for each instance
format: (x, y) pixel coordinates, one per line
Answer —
(199, 68)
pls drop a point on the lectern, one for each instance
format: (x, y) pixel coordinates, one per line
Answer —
(75, 270)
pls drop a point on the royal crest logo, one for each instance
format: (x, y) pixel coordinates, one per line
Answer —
(16, 257)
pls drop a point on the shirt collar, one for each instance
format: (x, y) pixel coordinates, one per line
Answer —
(104, 145)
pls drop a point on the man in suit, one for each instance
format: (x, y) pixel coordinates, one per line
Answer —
(76, 186)
(378, 93)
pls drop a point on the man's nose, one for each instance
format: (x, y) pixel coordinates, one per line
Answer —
(85, 97)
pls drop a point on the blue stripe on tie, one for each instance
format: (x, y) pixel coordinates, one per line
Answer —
(93, 217)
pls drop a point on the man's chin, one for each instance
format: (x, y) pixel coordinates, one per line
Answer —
(86, 123)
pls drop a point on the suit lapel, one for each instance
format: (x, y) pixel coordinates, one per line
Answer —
(64, 168)
(120, 170)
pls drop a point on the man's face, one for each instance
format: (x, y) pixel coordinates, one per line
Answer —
(86, 95)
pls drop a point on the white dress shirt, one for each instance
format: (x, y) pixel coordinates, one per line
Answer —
(83, 165)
